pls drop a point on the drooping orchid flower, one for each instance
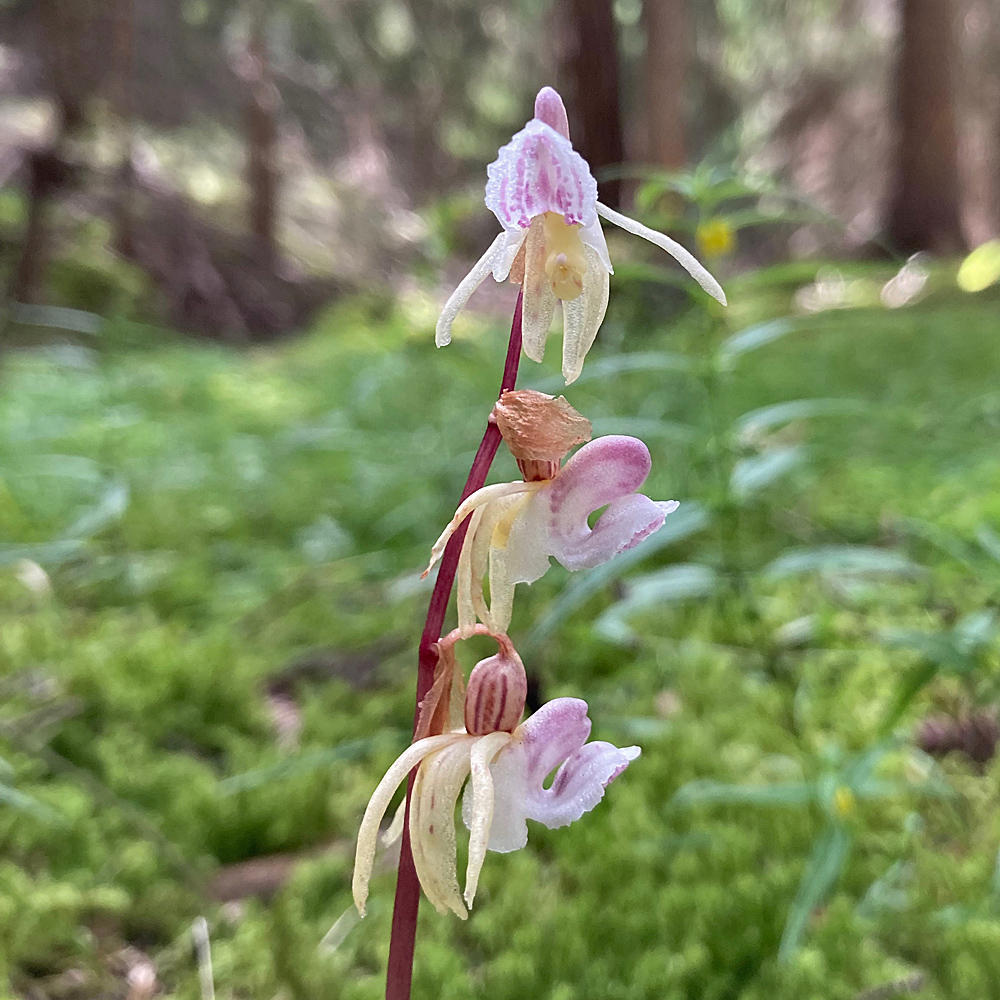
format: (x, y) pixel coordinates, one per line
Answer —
(543, 194)
(508, 761)
(516, 527)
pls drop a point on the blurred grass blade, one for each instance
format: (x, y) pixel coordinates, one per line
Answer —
(43, 553)
(110, 508)
(644, 428)
(753, 337)
(25, 803)
(301, 764)
(342, 926)
(620, 364)
(56, 317)
(789, 793)
(752, 474)
(822, 871)
(673, 583)
(989, 541)
(687, 520)
(909, 687)
(851, 559)
(975, 630)
(768, 417)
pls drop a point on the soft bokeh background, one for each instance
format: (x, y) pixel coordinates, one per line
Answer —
(227, 441)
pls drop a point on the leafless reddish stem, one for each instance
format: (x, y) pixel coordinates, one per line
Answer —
(404, 916)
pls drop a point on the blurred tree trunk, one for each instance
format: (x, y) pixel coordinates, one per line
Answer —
(668, 48)
(124, 36)
(63, 26)
(262, 137)
(589, 66)
(924, 212)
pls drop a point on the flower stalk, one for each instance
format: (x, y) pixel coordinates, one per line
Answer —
(404, 917)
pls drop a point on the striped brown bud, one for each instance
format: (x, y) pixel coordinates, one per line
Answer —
(494, 699)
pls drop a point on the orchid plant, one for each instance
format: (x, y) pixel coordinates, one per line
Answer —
(545, 197)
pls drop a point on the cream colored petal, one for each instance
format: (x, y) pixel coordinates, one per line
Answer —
(395, 830)
(432, 824)
(382, 796)
(687, 260)
(539, 299)
(456, 707)
(481, 556)
(477, 499)
(483, 753)
(583, 316)
(465, 585)
(501, 586)
(528, 541)
(458, 298)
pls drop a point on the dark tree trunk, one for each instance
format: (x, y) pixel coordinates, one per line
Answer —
(123, 82)
(589, 66)
(262, 140)
(925, 208)
(63, 27)
(668, 49)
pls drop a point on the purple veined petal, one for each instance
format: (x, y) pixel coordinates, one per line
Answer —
(458, 298)
(538, 171)
(550, 109)
(539, 299)
(582, 316)
(554, 733)
(684, 257)
(606, 471)
(579, 784)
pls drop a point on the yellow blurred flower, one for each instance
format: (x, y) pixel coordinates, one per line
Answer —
(716, 237)
(981, 268)
(843, 802)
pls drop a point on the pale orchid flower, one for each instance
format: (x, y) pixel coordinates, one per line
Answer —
(508, 763)
(543, 194)
(516, 527)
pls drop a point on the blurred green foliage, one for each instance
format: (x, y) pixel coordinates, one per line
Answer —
(185, 526)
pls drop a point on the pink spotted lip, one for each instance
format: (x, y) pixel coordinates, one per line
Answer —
(538, 171)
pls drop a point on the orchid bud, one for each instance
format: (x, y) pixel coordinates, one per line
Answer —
(539, 429)
(498, 686)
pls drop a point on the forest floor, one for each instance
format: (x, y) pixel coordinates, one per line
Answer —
(211, 602)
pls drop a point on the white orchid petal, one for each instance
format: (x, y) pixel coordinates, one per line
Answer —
(458, 298)
(593, 237)
(683, 257)
(432, 824)
(483, 752)
(513, 241)
(539, 299)
(379, 802)
(582, 317)
(527, 558)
